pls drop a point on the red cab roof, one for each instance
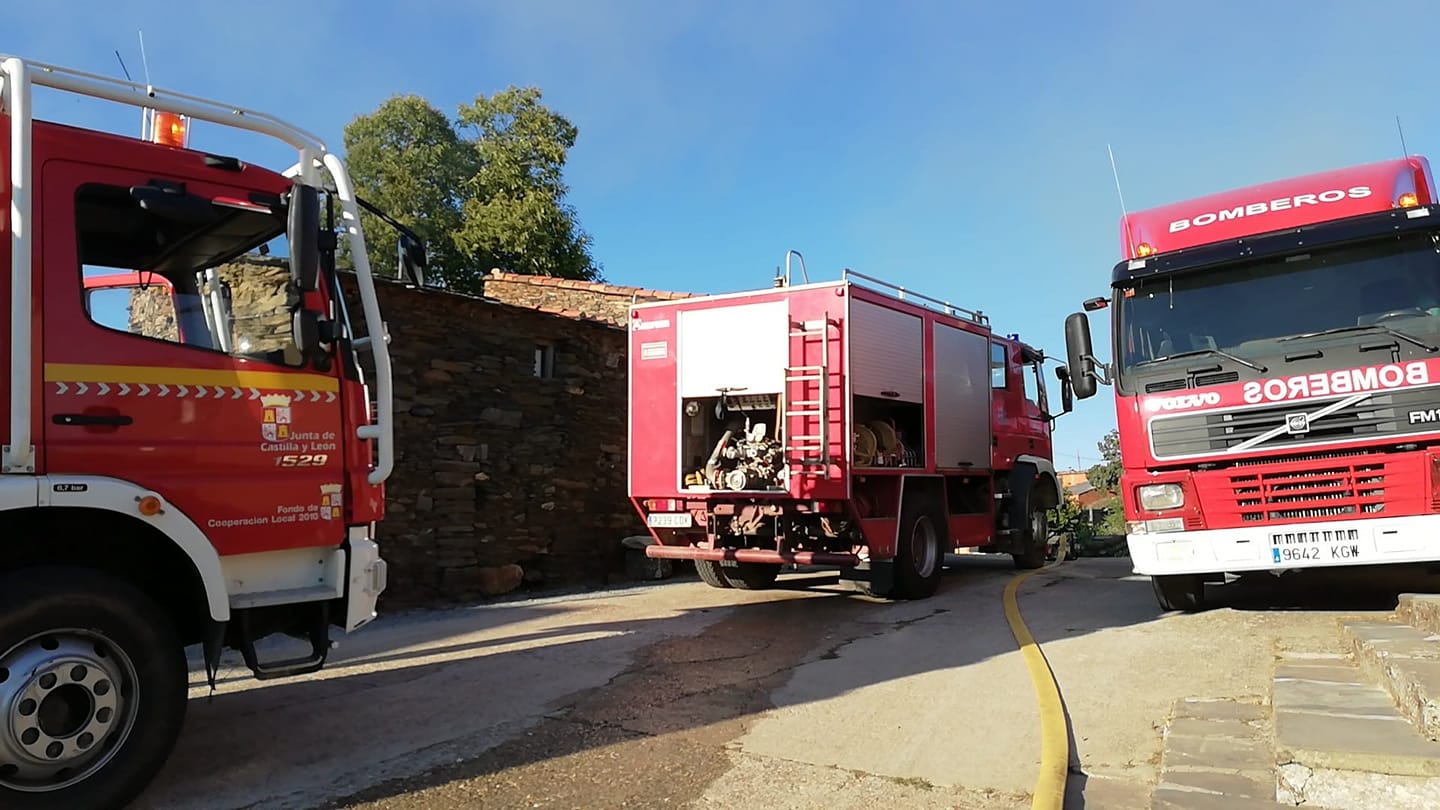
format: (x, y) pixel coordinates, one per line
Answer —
(1277, 206)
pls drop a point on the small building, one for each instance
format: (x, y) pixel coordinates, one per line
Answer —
(1093, 502)
(511, 436)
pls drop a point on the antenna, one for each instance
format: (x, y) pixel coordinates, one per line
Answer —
(1403, 151)
(123, 69)
(147, 115)
(152, 121)
(146, 63)
(1124, 214)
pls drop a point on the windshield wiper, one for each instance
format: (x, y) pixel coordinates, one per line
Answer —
(1369, 327)
(1202, 352)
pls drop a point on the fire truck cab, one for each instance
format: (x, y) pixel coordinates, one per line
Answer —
(1277, 377)
(175, 472)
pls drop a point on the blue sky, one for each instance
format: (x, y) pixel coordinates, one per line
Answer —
(957, 148)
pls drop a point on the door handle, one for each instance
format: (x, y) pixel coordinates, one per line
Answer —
(92, 419)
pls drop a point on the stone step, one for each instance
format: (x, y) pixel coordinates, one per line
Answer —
(1170, 799)
(1420, 610)
(1339, 739)
(1406, 662)
(1217, 755)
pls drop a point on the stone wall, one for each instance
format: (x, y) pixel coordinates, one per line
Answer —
(257, 301)
(501, 475)
(152, 313)
(604, 302)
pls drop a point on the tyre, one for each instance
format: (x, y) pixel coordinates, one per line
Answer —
(93, 687)
(752, 576)
(710, 573)
(920, 553)
(1179, 591)
(1037, 532)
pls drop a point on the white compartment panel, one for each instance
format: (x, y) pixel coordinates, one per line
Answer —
(744, 346)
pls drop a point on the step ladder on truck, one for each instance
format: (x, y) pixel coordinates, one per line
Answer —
(175, 472)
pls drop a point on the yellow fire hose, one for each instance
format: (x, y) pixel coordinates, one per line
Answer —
(1049, 791)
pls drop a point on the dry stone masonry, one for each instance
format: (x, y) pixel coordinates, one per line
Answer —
(511, 447)
(583, 299)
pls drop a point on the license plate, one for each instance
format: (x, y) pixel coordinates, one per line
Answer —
(671, 520)
(1317, 546)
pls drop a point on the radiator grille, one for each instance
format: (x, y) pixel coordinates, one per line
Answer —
(1336, 489)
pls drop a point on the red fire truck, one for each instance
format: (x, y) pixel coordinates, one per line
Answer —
(850, 424)
(203, 482)
(1276, 361)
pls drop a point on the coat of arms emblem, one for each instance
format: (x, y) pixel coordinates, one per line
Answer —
(330, 501)
(275, 425)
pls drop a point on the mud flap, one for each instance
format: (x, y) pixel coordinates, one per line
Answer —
(882, 576)
(879, 574)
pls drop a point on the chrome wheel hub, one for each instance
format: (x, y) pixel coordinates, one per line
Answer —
(66, 706)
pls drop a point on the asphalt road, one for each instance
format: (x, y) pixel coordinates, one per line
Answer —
(680, 695)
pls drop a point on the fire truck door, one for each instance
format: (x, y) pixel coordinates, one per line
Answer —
(168, 360)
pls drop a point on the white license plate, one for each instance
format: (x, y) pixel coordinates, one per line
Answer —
(1319, 545)
(671, 520)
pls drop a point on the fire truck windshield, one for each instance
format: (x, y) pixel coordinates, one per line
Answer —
(1260, 311)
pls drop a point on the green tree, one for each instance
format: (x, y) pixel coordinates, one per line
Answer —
(485, 190)
(406, 159)
(1106, 475)
(1114, 522)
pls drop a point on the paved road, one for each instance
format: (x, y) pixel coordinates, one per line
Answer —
(680, 695)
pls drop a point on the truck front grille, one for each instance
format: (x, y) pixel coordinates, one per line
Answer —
(1334, 490)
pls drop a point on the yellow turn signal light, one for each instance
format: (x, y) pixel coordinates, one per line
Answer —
(1408, 200)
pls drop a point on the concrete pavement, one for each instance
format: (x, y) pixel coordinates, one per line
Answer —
(681, 695)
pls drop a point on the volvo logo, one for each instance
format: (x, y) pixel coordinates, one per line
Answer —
(1297, 423)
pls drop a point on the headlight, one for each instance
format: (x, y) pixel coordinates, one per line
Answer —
(1159, 497)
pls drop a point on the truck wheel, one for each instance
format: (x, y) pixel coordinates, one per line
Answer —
(1179, 591)
(1036, 534)
(710, 573)
(752, 576)
(93, 687)
(920, 555)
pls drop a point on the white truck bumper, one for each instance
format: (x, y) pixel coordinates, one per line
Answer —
(368, 576)
(1288, 546)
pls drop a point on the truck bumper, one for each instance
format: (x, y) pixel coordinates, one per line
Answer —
(1278, 547)
(368, 577)
(751, 555)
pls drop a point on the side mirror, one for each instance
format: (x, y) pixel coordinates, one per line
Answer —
(413, 261)
(305, 327)
(303, 232)
(1080, 354)
(1067, 390)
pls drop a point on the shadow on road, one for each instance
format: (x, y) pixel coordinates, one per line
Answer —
(1362, 588)
(397, 713)
(527, 690)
